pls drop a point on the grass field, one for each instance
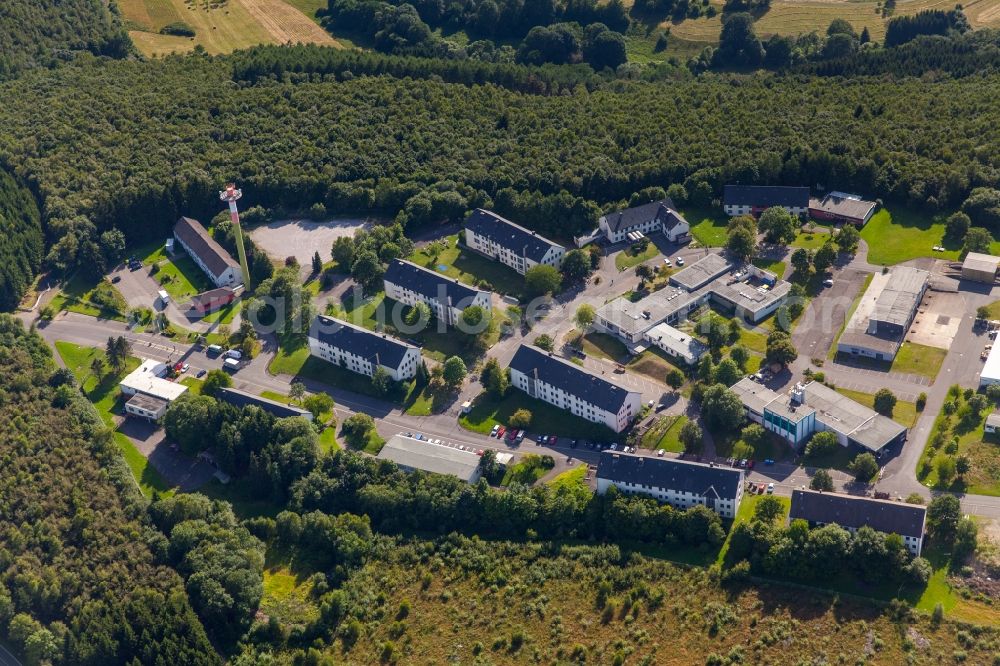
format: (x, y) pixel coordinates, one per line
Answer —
(106, 399)
(299, 363)
(236, 24)
(287, 598)
(916, 359)
(708, 225)
(902, 234)
(604, 346)
(811, 240)
(546, 419)
(655, 364)
(794, 17)
(85, 297)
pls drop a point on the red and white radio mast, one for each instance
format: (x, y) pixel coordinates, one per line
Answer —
(232, 195)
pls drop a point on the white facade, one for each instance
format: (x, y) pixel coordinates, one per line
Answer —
(147, 379)
(733, 210)
(726, 507)
(448, 312)
(674, 232)
(343, 358)
(676, 343)
(512, 257)
(151, 409)
(553, 395)
(230, 277)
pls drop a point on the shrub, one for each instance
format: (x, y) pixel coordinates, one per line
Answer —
(178, 29)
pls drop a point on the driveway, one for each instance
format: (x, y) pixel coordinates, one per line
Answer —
(141, 290)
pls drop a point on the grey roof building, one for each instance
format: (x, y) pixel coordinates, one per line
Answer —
(980, 267)
(427, 282)
(569, 377)
(505, 233)
(681, 483)
(412, 454)
(884, 313)
(852, 512)
(207, 253)
(359, 341)
(761, 197)
(629, 218)
(272, 407)
(842, 207)
(701, 272)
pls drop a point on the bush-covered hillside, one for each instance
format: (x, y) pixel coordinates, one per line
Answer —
(43, 32)
(78, 582)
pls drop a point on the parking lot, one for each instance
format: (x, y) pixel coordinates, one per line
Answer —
(303, 238)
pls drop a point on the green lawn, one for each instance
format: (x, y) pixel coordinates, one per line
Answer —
(994, 309)
(905, 413)
(627, 258)
(487, 412)
(664, 434)
(902, 234)
(604, 346)
(811, 241)
(832, 353)
(655, 364)
(372, 445)
(776, 267)
(96, 299)
(309, 7)
(424, 402)
(106, 399)
(299, 363)
(328, 440)
(223, 316)
(472, 268)
(572, 479)
(708, 225)
(288, 598)
(916, 359)
(181, 278)
(194, 384)
(528, 470)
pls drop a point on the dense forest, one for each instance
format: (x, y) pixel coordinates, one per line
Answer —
(37, 33)
(135, 144)
(21, 241)
(78, 582)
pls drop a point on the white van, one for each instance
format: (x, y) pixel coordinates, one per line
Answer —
(164, 296)
(234, 354)
(231, 364)
(214, 350)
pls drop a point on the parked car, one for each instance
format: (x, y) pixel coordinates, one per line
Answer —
(660, 453)
(743, 462)
(828, 282)
(760, 488)
(116, 279)
(680, 261)
(234, 353)
(750, 464)
(213, 350)
(493, 433)
(501, 431)
(770, 489)
(185, 367)
(552, 440)
(201, 373)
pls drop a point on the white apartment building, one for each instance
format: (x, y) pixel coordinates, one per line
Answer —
(680, 483)
(410, 284)
(755, 199)
(509, 243)
(852, 512)
(360, 350)
(568, 386)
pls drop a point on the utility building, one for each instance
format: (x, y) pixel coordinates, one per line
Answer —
(884, 314)
(980, 267)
